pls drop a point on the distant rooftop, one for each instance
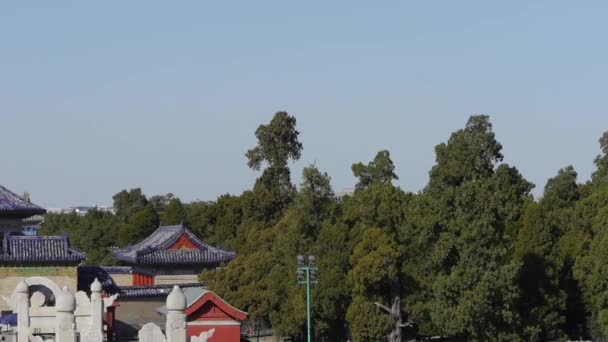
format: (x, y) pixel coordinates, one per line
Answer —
(160, 249)
(87, 274)
(44, 250)
(14, 205)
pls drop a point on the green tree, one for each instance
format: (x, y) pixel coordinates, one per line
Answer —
(380, 170)
(296, 234)
(332, 295)
(277, 144)
(217, 221)
(314, 202)
(546, 270)
(601, 162)
(174, 213)
(471, 203)
(138, 226)
(256, 279)
(126, 203)
(470, 154)
(93, 233)
(374, 271)
(587, 241)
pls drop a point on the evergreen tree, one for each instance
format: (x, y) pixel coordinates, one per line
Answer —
(93, 233)
(472, 203)
(589, 242)
(601, 162)
(374, 269)
(380, 170)
(126, 203)
(138, 226)
(546, 272)
(217, 222)
(258, 273)
(277, 144)
(174, 213)
(332, 295)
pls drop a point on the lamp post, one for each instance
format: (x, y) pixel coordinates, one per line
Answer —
(308, 273)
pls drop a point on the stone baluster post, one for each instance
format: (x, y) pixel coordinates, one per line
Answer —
(65, 324)
(95, 333)
(22, 302)
(175, 328)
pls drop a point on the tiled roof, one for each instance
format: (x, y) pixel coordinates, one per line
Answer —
(39, 250)
(87, 274)
(154, 250)
(13, 204)
(152, 291)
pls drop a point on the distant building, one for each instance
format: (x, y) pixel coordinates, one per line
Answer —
(81, 210)
(171, 255)
(206, 311)
(345, 192)
(23, 256)
(17, 212)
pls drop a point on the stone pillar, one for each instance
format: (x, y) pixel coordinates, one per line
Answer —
(65, 325)
(175, 328)
(22, 302)
(95, 333)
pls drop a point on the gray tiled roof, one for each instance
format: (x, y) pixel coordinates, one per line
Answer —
(39, 250)
(154, 250)
(13, 204)
(87, 274)
(153, 291)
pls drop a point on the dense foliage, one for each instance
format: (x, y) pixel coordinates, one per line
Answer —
(473, 256)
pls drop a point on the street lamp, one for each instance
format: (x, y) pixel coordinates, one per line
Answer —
(308, 273)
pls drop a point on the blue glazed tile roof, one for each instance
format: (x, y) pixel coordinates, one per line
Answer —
(87, 274)
(13, 204)
(38, 250)
(154, 250)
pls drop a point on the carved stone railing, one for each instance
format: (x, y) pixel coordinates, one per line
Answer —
(78, 318)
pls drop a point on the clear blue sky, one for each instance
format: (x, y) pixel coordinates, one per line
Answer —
(100, 96)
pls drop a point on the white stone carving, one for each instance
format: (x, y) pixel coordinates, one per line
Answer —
(65, 324)
(22, 303)
(38, 299)
(108, 301)
(204, 336)
(96, 306)
(151, 332)
(176, 319)
(75, 315)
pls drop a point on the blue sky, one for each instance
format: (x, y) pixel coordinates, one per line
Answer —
(97, 97)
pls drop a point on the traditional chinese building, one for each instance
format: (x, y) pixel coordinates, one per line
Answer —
(171, 255)
(23, 256)
(207, 313)
(16, 212)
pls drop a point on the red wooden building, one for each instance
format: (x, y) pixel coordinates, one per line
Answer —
(205, 311)
(210, 311)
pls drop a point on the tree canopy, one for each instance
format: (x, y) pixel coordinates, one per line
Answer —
(472, 256)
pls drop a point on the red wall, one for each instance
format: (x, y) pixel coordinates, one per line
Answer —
(222, 333)
(183, 243)
(211, 308)
(142, 279)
